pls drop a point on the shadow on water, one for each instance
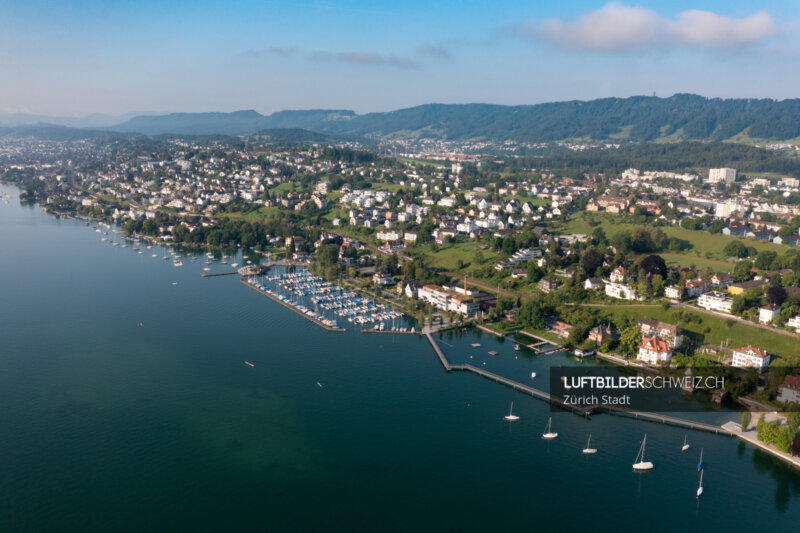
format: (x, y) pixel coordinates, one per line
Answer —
(787, 483)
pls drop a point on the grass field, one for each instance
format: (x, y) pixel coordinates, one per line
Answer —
(705, 245)
(716, 330)
(681, 260)
(252, 216)
(447, 256)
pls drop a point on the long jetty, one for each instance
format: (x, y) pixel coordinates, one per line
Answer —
(553, 400)
(583, 410)
(216, 274)
(316, 321)
(664, 419)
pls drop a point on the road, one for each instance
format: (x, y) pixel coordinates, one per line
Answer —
(734, 318)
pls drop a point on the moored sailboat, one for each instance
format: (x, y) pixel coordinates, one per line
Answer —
(588, 450)
(640, 464)
(548, 431)
(511, 416)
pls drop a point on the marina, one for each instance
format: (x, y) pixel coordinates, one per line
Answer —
(326, 302)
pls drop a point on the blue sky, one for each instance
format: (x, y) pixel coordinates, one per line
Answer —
(116, 57)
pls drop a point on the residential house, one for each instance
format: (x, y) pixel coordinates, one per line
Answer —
(593, 283)
(621, 291)
(789, 391)
(549, 284)
(603, 333)
(749, 357)
(739, 288)
(382, 279)
(669, 333)
(767, 313)
(715, 301)
(654, 351)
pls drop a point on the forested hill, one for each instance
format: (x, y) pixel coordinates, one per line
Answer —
(640, 119)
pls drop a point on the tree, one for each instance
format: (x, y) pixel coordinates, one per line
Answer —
(745, 420)
(591, 260)
(735, 249)
(629, 339)
(765, 258)
(742, 270)
(531, 313)
(776, 295)
(654, 264)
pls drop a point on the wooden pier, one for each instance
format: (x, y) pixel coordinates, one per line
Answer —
(217, 274)
(293, 308)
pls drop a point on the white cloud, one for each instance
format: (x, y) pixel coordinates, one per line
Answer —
(617, 27)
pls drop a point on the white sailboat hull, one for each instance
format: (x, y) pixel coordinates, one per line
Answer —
(549, 436)
(685, 447)
(511, 417)
(589, 451)
(699, 491)
(644, 465)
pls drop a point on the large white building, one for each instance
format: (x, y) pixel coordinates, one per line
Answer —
(715, 301)
(721, 175)
(621, 291)
(441, 298)
(750, 357)
(729, 208)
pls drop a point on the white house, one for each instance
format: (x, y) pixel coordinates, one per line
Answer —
(789, 391)
(618, 275)
(654, 351)
(621, 291)
(592, 283)
(750, 357)
(673, 292)
(715, 301)
(768, 313)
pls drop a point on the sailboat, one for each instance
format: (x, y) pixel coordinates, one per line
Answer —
(516, 347)
(588, 450)
(533, 375)
(640, 463)
(548, 431)
(511, 416)
(700, 488)
(685, 444)
(700, 464)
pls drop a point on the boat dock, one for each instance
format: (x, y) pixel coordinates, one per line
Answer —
(219, 274)
(392, 331)
(537, 346)
(286, 305)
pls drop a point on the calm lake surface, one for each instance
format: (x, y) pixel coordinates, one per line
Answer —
(107, 425)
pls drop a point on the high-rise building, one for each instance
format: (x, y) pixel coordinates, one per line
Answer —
(721, 175)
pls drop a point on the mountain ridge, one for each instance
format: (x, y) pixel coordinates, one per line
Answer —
(638, 119)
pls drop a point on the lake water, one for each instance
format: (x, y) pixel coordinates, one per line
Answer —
(107, 425)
